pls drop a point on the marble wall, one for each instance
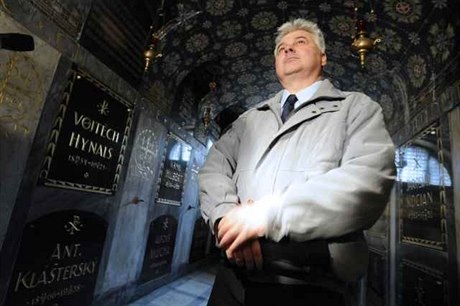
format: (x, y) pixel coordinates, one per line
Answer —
(25, 82)
(31, 98)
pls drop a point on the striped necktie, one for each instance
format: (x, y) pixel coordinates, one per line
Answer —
(288, 107)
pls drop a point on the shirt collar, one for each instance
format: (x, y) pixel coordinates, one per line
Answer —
(302, 95)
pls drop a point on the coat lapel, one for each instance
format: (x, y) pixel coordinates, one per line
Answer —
(306, 111)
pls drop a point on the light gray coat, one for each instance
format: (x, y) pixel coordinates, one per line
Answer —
(331, 166)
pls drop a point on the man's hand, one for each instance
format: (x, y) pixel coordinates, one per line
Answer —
(241, 225)
(248, 255)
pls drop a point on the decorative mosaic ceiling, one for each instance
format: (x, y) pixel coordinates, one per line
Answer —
(419, 48)
(231, 41)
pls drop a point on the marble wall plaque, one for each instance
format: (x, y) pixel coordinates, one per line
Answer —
(425, 188)
(421, 286)
(58, 260)
(199, 240)
(172, 179)
(376, 278)
(160, 248)
(88, 141)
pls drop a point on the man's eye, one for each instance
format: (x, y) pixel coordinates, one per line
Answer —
(301, 42)
(280, 50)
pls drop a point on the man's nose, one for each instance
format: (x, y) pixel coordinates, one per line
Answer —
(289, 49)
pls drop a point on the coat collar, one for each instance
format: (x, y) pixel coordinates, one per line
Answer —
(326, 91)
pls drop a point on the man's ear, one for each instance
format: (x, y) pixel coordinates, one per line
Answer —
(323, 59)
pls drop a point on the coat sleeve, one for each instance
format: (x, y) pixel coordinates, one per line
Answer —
(218, 193)
(348, 198)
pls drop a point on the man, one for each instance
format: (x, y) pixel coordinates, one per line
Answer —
(290, 187)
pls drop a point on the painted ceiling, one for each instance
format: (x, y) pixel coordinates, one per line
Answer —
(232, 41)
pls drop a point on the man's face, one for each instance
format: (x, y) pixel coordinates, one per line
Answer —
(298, 53)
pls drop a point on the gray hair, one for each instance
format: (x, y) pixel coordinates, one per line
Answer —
(301, 24)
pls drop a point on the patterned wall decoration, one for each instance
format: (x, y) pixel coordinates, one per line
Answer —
(419, 47)
(24, 80)
(146, 151)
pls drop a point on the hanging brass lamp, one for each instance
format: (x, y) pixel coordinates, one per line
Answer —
(362, 44)
(155, 47)
(208, 106)
(153, 52)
